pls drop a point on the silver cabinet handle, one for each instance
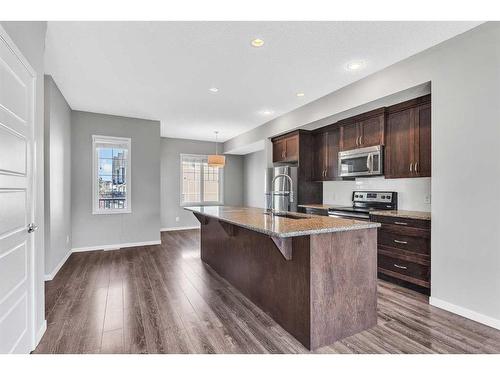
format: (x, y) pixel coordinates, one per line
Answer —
(401, 267)
(401, 242)
(416, 167)
(411, 167)
(32, 227)
(400, 223)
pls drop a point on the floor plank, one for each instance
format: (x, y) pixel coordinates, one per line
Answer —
(163, 299)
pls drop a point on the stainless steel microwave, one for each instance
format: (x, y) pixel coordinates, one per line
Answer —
(367, 161)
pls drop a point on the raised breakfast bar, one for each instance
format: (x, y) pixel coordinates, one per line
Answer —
(316, 276)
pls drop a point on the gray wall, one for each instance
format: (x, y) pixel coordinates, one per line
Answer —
(254, 167)
(171, 148)
(57, 153)
(465, 77)
(29, 37)
(143, 224)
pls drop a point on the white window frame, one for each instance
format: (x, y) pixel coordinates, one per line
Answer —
(208, 203)
(119, 141)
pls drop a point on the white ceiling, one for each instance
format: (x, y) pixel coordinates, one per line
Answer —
(163, 70)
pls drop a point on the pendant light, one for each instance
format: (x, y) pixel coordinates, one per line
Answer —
(216, 161)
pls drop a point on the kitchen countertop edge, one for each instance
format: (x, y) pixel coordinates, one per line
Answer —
(360, 226)
(417, 215)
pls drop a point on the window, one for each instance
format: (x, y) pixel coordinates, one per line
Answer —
(111, 175)
(200, 184)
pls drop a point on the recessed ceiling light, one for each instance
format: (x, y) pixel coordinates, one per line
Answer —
(266, 112)
(213, 89)
(257, 42)
(355, 65)
(300, 94)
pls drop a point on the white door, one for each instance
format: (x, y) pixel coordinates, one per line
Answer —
(17, 81)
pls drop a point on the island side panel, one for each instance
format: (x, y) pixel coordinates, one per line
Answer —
(252, 263)
(343, 284)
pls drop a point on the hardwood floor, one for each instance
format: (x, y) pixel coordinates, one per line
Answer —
(163, 299)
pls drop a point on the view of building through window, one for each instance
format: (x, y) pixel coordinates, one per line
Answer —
(200, 183)
(112, 178)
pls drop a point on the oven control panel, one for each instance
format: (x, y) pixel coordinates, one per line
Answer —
(372, 196)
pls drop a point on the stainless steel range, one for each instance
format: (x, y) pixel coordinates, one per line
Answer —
(365, 201)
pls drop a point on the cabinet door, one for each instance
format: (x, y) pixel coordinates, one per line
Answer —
(292, 148)
(332, 157)
(399, 150)
(372, 131)
(423, 140)
(278, 150)
(349, 136)
(319, 156)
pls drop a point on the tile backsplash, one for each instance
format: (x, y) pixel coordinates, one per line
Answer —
(414, 194)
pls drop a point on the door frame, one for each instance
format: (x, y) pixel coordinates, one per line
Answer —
(33, 201)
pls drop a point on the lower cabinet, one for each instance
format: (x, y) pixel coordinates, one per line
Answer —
(404, 251)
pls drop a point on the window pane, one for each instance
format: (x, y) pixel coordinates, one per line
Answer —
(199, 183)
(191, 172)
(211, 184)
(112, 179)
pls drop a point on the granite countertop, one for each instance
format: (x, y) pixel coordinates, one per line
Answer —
(419, 215)
(256, 219)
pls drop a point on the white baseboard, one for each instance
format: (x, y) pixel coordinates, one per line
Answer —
(54, 272)
(178, 228)
(39, 333)
(115, 246)
(466, 313)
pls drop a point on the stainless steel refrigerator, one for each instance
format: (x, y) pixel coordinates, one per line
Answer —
(281, 190)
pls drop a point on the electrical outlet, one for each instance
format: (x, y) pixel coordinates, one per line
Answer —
(67, 239)
(427, 199)
(177, 219)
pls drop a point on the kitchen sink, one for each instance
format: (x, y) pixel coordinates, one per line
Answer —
(287, 215)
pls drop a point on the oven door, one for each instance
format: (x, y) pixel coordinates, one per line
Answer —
(361, 162)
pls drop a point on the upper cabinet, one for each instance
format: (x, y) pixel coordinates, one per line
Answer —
(325, 153)
(286, 148)
(363, 131)
(408, 139)
(404, 129)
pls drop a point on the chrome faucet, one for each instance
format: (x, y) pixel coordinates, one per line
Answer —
(273, 211)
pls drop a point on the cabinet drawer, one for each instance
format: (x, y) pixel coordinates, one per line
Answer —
(403, 269)
(419, 245)
(402, 222)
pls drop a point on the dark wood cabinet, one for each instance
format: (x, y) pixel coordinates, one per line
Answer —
(399, 145)
(286, 148)
(364, 130)
(408, 139)
(325, 154)
(423, 146)
(297, 148)
(404, 251)
(404, 129)
(349, 135)
(371, 130)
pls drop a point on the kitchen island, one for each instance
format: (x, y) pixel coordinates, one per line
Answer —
(316, 276)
